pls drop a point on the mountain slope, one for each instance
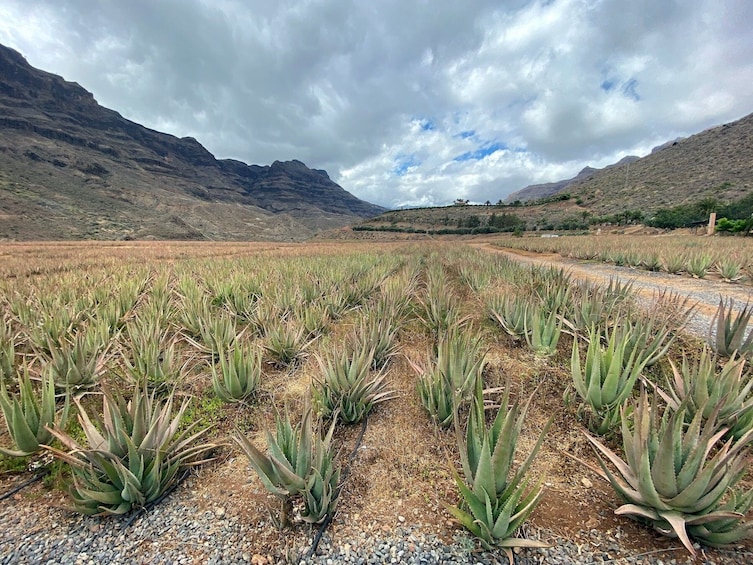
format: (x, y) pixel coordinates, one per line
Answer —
(716, 163)
(534, 191)
(70, 168)
(713, 163)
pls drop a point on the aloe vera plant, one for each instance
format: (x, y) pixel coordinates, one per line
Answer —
(606, 379)
(729, 269)
(542, 332)
(133, 452)
(239, 375)
(698, 387)
(495, 501)
(28, 414)
(379, 334)
(285, 342)
(728, 328)
(151, 361)
(698, 264)
(511, 313)
(680, 479)
(76, 365)
(648, 337)
(345, 387)
(454, 376)
(7, 352)
(299, 462)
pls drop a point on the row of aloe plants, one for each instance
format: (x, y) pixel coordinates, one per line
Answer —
(495, 498)
(136, 448)
(351, 380)
(731, 259)
(681, 468)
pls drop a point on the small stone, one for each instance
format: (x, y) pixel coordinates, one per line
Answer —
(586, 482)
(401, 519)
(258, 559)
(219, 512)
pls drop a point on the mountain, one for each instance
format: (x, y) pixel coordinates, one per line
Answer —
(714, 163)
(70, 169)
(535, 191)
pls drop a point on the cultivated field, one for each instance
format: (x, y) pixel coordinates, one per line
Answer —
(375, 372)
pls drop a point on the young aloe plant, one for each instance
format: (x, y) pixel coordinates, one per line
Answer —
(345, 388)
(76, 365)
(28, 415)
(7, 352)
(239, 374)
(216, 334)
(651, 336)
(300, 462)
(730, 330)
(379, 334)
(543, 332)
(512, 313)
(607, 378)
(495, 501)
(453, 377)
(133, 455)
(151, 361)
(285, 342)
(677, 476)
(698, 387)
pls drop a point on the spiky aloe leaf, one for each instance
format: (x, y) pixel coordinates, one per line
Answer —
(675, 477)
(134, 449)
(28, 415)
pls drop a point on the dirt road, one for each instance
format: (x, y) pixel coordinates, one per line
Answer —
(702, 292)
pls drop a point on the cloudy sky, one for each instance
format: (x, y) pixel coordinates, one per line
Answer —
(406, 102)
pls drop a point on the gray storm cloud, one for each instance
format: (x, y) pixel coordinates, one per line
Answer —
(406, 103)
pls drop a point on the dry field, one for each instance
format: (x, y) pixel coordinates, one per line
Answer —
(103, 294)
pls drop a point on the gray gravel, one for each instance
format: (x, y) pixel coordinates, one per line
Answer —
(176, 531)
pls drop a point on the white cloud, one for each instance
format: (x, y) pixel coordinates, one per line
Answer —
(406, 102)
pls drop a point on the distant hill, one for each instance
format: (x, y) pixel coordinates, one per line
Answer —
(536, 191)
(716, 164)
(70, 169)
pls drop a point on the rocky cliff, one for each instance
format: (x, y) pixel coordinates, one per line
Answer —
(70, 168)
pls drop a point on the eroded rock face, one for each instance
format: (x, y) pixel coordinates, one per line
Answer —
(71, 168)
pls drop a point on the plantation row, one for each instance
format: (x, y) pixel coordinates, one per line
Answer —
(158, 338)
(730, 258)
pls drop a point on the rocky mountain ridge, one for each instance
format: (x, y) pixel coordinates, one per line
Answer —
(70, 168)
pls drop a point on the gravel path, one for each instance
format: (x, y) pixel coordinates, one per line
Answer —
(177, 531)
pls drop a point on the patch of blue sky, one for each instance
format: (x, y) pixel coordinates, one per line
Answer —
(608, 85)
(427, 125)
(403, 163)
(482, 152)
(629, 89)
(466, 134)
